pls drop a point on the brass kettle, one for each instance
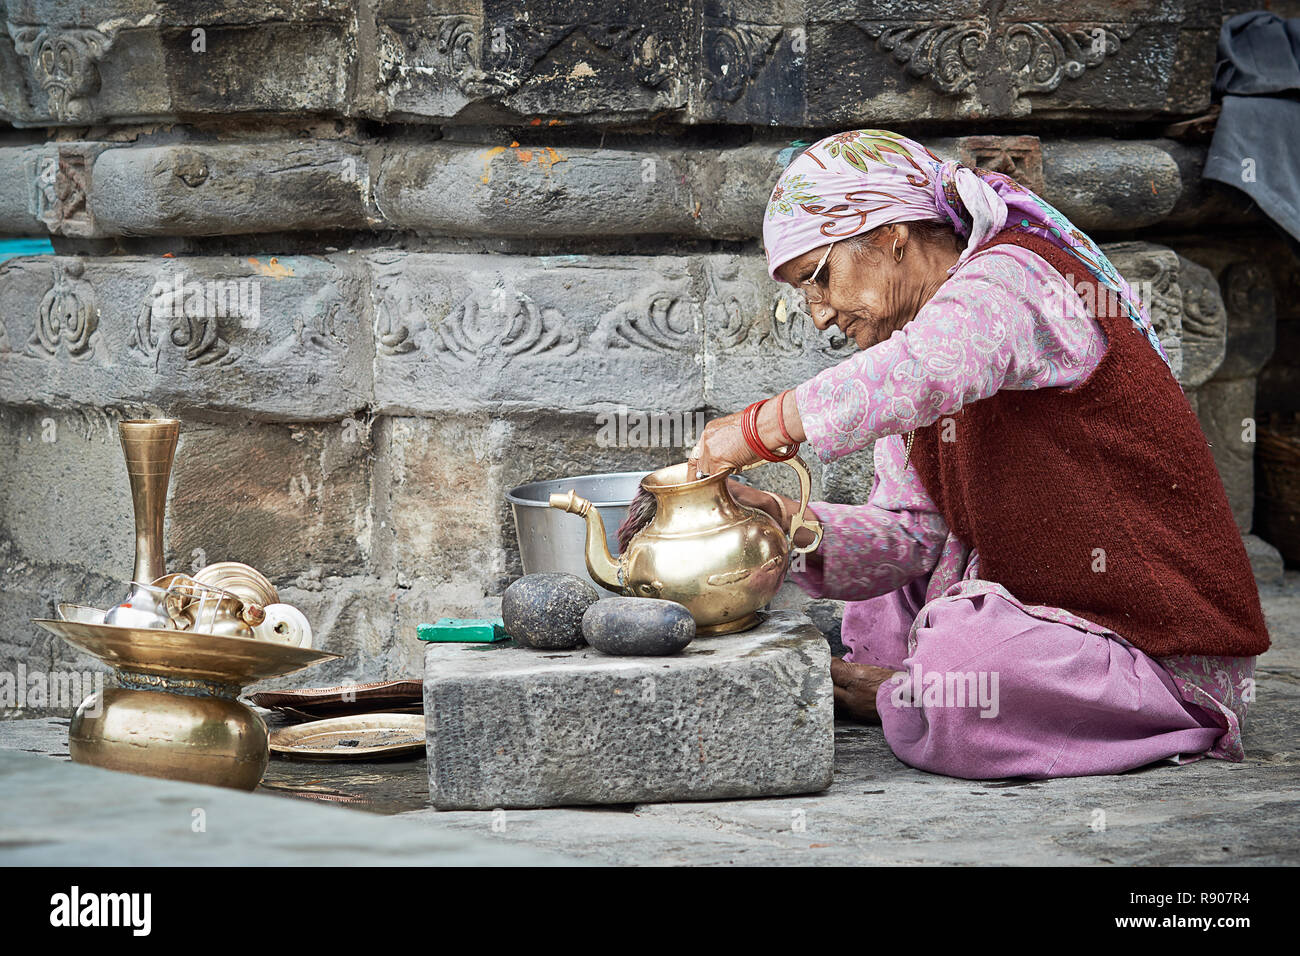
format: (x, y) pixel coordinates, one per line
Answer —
(703, 549)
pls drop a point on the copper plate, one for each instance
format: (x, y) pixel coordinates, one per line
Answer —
(391, 696)
(351, 738)
(185, 654)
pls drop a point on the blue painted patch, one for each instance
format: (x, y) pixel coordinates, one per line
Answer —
(12, 248)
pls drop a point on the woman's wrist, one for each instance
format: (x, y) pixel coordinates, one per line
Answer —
(786, 507)
(780, 411)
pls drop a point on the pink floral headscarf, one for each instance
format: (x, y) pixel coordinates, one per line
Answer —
(850, 183)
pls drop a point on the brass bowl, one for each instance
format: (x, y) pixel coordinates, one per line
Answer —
(176, 714)
(212, 740)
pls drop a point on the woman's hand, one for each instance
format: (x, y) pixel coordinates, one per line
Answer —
(779, 507)
(775, 505)
(721, 446)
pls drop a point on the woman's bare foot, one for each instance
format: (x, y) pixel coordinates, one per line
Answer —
(855, 688)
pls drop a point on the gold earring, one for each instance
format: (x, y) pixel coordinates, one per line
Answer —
(898, 256)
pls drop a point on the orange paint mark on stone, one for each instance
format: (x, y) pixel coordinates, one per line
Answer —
(487, 162)
(545, 158)
(550, 159)
(272, 269)
(535, 121)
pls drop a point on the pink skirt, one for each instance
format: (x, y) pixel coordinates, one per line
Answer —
(991, 691)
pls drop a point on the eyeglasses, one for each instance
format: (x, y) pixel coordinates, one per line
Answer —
(810, 294)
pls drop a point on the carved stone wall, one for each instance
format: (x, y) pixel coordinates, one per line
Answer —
(389, 260)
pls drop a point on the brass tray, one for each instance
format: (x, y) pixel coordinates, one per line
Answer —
(185, 655)
(351, 738)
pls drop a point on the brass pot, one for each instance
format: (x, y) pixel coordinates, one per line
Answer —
(703, 549)
(187, 735)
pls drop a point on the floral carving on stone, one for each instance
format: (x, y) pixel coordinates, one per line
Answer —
(68, 315)
(1001, 61)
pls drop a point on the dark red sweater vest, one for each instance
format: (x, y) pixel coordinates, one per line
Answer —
(1054, 485)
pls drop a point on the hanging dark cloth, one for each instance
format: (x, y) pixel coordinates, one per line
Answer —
(1256, 145)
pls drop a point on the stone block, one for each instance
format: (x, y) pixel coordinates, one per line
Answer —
(1152, 271)
(1110, 184)
(1204, 323)
(849, 479)
(64, 497)
(441, 518)
(465, 332)
(1252, 319)
(439, 497)
(256, 336)
(26, 172)
(535, 190)
(288, 499)
(125, 62)
(1098, 183)
(737, 716)
(1223, 408)
(1279, 382)
(924, 61)
(205, 189)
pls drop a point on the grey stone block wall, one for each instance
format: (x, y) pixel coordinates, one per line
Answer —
(387, 262)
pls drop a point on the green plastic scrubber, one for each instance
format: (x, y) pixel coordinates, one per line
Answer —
(464, 631)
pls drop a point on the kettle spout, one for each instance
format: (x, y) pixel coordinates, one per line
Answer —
(600, 563)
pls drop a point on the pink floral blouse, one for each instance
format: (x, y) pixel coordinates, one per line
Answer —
(1005, 319)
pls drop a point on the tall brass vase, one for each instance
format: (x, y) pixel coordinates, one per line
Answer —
(149, 446)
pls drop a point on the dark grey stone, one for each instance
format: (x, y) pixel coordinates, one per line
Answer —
(1252, 319)
(638, 626)
(544, 611)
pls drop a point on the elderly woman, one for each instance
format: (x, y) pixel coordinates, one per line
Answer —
(1046, 579)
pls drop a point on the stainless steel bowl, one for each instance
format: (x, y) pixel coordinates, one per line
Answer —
(550, 540)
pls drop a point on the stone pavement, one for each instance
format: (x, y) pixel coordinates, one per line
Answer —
(70, 815)
(877, 811)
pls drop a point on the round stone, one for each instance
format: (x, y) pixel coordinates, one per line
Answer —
(628, 626)
(545, 610)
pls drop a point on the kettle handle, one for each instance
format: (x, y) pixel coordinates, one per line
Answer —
(800, 519)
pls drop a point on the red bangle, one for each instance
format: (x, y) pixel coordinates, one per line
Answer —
(780, 420)
(749, 429)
